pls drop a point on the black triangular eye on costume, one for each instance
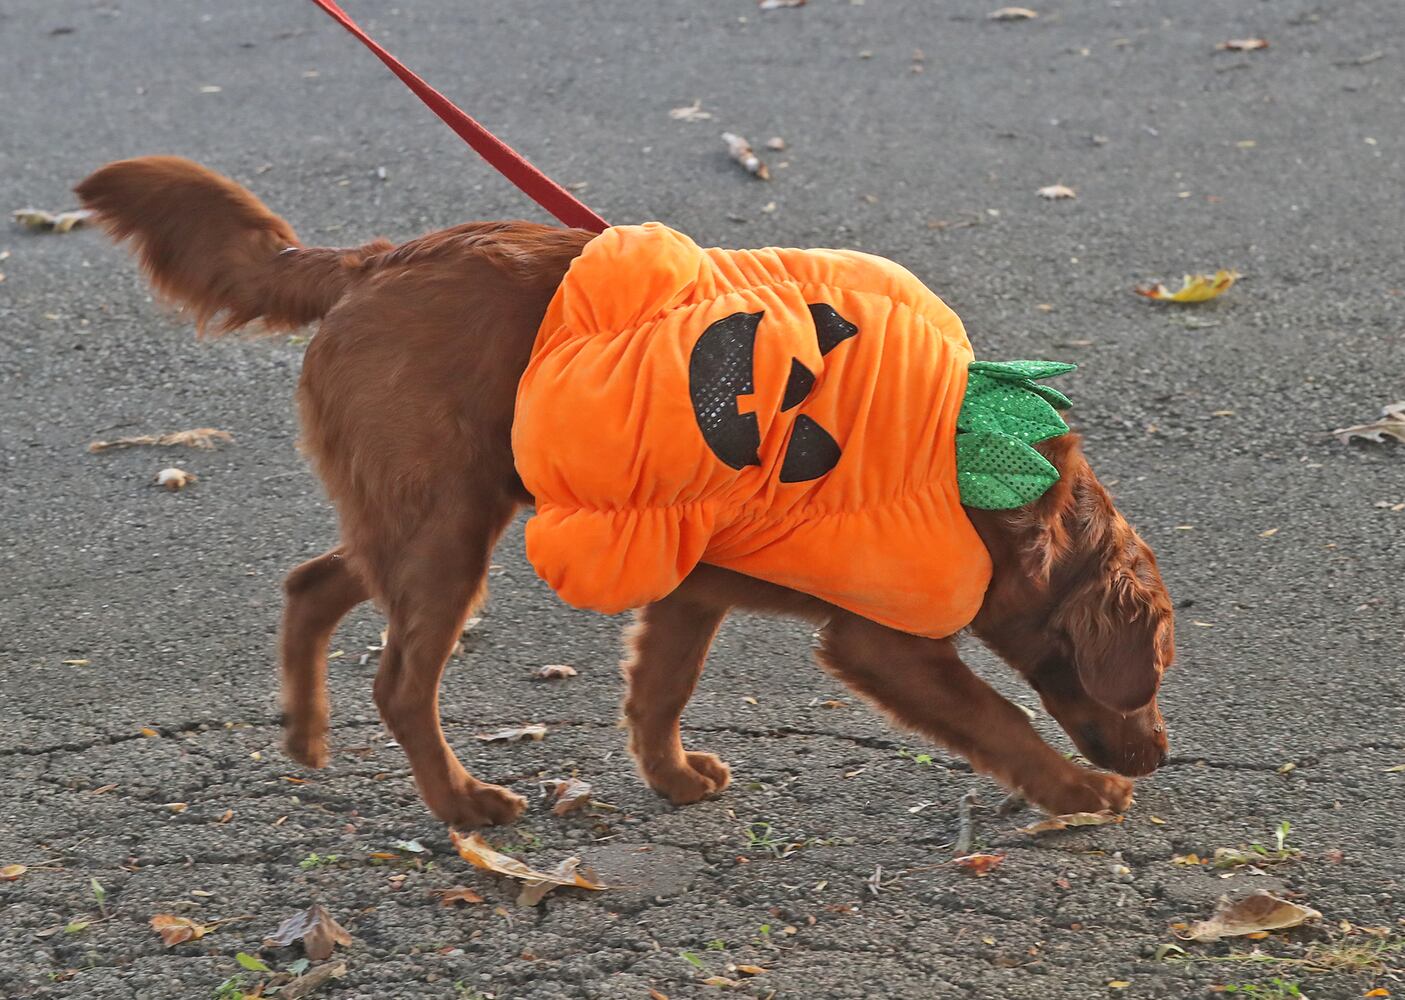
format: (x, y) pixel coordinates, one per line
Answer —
(720, 370)
(798, 386)
(830, 328)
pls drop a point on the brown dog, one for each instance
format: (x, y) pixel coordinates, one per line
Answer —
(407, 403)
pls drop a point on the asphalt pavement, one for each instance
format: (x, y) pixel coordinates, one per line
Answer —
(140, 772)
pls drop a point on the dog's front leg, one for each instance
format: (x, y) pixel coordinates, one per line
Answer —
(924, 685)
(668, 646)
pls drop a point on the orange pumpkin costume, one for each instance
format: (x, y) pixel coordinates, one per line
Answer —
(788, 414)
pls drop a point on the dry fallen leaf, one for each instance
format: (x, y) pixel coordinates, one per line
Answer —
(979, 864)
(458, 894)
(778, 4)
(1012, 14)
(174, 930)
(570, 795)
(555, 672)
(747, 970)
(200, 437)
(1055, 192)
(1261, 911)
(1068, 820)
(656, 995)
(315, 928)
(1379, 991)
(740, 150)
(690, 113)
(174, 479)
(42, 221)
(776, 144)
(11, 872)
(476, 851)
(1242, 45)
(1194, 288)
(534, 890)
(1391, 424)
(533, 732)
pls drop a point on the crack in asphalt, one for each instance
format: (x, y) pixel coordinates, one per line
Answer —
(868, 742)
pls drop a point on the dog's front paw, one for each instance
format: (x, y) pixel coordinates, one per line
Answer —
(484, 805)
(306, 744)
(1084, 791)
(702, 776)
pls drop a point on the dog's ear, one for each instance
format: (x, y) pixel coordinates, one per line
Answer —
(1118, 629)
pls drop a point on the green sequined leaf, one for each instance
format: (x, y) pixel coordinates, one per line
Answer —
(1051, 396)
(1000, 472)
(1022, 369)
(1013, 408)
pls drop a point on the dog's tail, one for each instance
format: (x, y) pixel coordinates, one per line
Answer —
(211, 246)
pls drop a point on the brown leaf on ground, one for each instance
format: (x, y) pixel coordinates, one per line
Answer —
(570, 795)
(1057, 192)
(980, 865)
(534, 732)
(311, 981)
(53, 222)
(1261, 911)
(458, 894)
(1242, 45)
(1013, 14)
(199, 437)
(1194, 288)
(740, 150)
(534, 890)
(174, 479)
(556, 672)
(174, 930)
(656, 995)
(11, 872)
(477, 852)
(315, 928)
(1070, 820)
(1391, 424)
(690, 113)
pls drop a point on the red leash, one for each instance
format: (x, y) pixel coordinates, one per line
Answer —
(506, 160)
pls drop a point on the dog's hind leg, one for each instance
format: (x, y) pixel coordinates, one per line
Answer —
(669, 644)
(429, 590)
(319, 594)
